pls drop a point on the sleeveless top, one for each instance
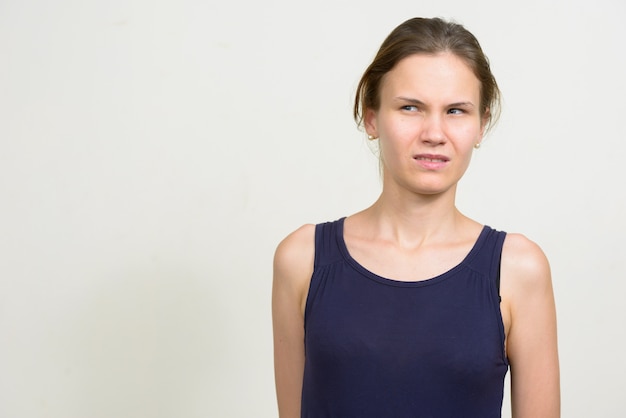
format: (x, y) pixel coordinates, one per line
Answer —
(377, 347)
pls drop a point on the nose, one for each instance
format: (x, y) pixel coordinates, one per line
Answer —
(432, 132)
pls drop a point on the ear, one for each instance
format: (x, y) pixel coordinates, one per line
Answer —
(370, 123)
(484, 121)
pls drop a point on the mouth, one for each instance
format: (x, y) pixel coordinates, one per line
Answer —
(431, 158)
(431, 162)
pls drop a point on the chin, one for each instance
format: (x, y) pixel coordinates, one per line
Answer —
(433, 190)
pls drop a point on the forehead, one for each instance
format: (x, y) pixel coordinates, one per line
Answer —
(434, 77)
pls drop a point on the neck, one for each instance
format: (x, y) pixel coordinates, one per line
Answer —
(412, 219)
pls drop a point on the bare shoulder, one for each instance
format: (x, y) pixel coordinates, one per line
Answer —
(526, 284)
(296, 250)
(293, 262)
(524, 262)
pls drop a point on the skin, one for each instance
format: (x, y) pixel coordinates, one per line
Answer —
(427, 123)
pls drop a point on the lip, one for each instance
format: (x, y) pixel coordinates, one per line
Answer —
(431, 161)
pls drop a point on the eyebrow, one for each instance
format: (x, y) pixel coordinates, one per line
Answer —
(419, 102)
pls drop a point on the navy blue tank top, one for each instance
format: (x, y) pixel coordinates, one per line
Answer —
(377, 347)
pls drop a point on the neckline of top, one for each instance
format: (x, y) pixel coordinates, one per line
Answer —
(401, 283)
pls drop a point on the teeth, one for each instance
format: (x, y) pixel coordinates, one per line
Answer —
(431, 159)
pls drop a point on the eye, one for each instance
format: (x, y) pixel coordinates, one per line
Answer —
(410, 108)
(456, 111)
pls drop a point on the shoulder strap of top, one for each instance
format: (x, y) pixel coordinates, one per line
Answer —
(489, 254)
(326, 242)
(497, 258)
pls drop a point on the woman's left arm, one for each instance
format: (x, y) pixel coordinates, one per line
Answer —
(530, 318)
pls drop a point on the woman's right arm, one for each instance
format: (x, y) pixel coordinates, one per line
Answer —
(293, 267)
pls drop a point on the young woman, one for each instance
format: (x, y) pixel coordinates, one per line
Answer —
(409, 308)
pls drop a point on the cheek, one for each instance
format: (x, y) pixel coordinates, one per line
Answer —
(397, 134)
(469, 133)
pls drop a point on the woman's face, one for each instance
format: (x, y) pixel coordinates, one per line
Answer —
(428, 122)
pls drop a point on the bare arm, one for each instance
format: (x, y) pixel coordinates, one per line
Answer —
(293, 266)
(528, 299)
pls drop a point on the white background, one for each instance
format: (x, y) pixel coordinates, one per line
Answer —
(154, 153)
